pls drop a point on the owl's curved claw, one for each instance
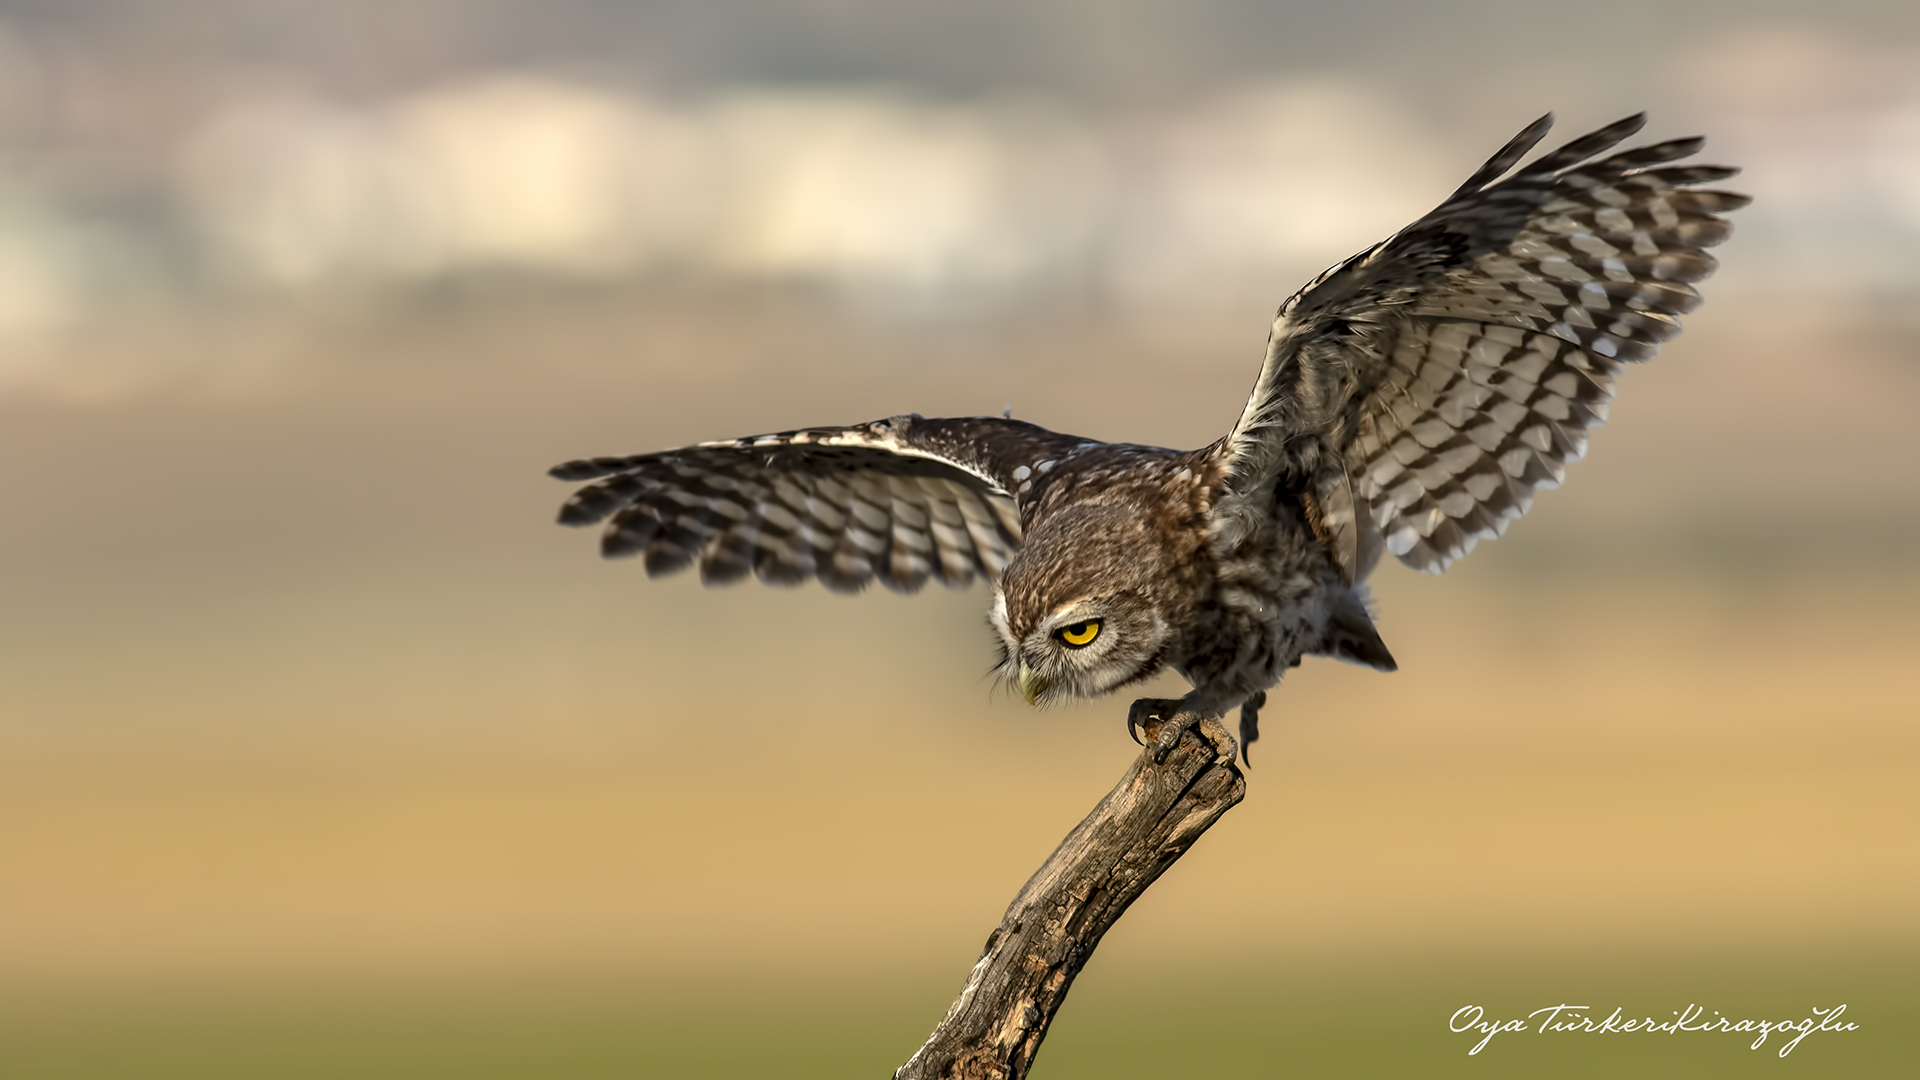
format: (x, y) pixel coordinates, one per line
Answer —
(1250, 725)
(1165, 721)
(1147, 712)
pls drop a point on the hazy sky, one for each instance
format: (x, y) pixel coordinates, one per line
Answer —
(1119, 51)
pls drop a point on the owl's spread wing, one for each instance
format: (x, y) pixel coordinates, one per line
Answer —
(1442, 376)
(901, 500)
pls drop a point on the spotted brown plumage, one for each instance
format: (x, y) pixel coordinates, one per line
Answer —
(1412, 400)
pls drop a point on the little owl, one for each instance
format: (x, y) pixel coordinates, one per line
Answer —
(1412, 400)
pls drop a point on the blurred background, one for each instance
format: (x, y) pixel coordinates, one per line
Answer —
(323, 753)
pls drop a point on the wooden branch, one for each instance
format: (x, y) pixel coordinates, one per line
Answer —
(1150, 819)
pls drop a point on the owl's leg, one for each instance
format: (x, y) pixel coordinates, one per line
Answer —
(1174, 721)
(1250, 725)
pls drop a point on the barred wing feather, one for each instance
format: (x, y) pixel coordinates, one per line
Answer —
(900, 500)
(1456, 368)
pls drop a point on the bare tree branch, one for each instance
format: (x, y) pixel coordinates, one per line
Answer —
(1150, 819)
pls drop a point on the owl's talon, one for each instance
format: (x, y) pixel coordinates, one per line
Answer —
(1208, 728)
(1149, 713)
(1250, 725)
(1165, 721)
(1170, 733)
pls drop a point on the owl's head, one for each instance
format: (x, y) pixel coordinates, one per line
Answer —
(1077, 610)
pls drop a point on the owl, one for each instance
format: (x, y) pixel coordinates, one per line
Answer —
(1411, 401)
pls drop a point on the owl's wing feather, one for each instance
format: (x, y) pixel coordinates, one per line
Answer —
(1430, 384)
(902, 500)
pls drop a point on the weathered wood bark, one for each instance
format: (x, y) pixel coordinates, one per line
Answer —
(1150, 819)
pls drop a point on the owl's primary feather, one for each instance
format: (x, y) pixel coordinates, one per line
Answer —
(1456, 367)
(900, 500)
(1412, 399)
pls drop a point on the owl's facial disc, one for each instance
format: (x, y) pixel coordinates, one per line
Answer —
(1077, 609)
(1085, 648)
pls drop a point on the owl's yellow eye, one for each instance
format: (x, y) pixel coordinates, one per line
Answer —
(1080, 634)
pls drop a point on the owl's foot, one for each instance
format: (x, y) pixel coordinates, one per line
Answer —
(1149, 711)
(1172, 721)
(1215, 732)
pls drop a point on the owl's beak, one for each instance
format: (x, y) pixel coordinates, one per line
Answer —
(1032, 684)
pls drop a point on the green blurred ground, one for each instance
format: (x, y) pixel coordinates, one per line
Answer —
(1244, 1020)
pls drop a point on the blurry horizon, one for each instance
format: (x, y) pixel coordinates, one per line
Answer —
(242, 154)
(324, 752)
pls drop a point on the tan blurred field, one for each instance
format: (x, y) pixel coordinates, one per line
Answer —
(313, 723)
